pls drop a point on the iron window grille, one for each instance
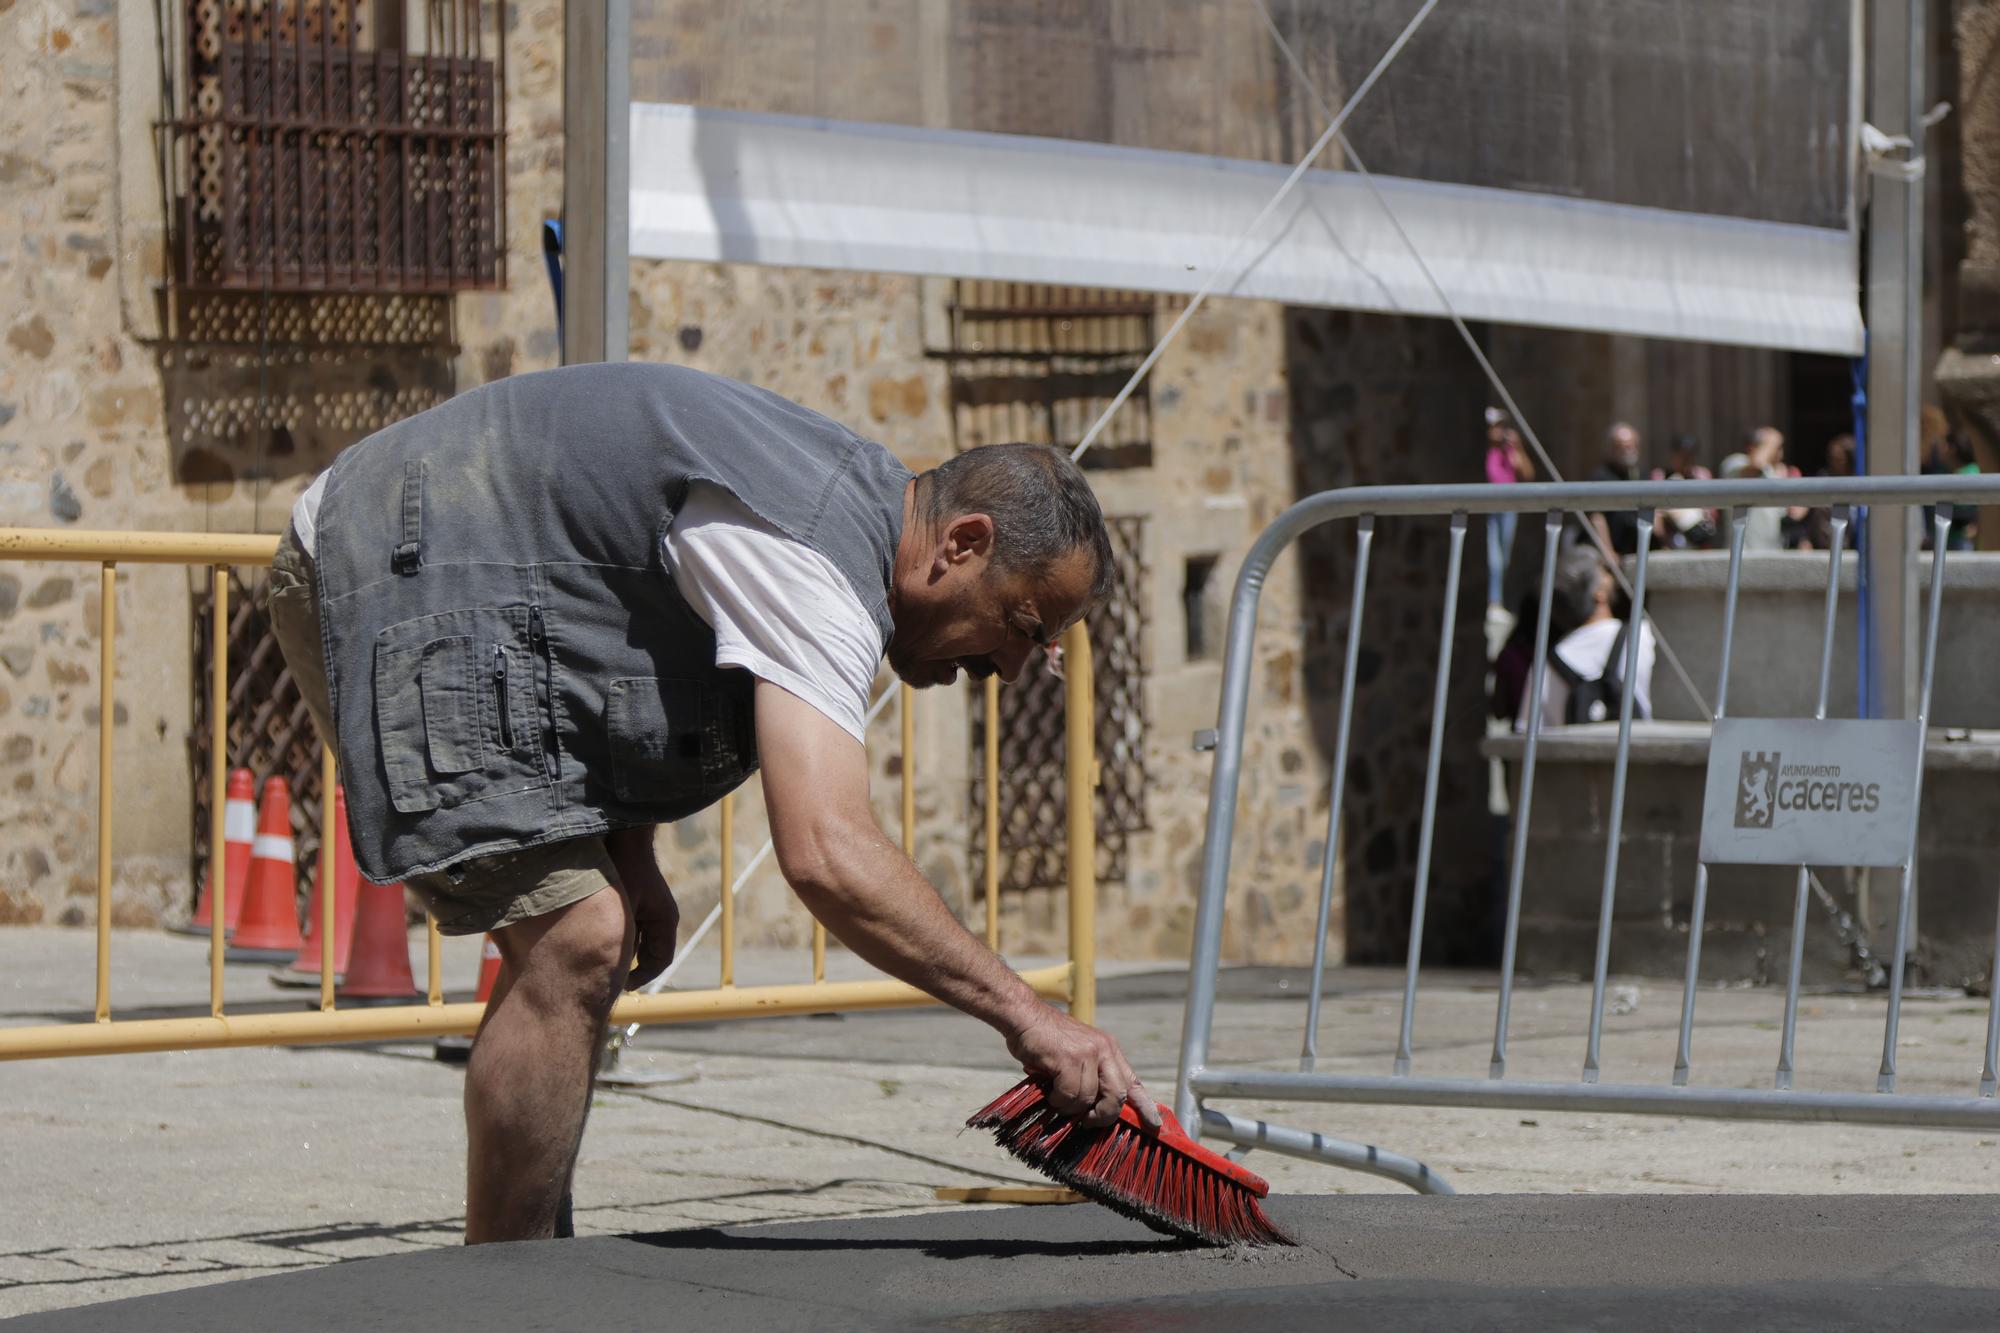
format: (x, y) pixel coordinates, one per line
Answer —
(335, 145)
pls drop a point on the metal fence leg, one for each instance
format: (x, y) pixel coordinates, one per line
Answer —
(1698, 914)
(1247, 1133)
(1635, 633)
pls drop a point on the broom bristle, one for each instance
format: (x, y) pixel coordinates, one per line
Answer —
(1165, 1180)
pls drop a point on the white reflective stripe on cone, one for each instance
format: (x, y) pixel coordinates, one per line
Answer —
(272, 845)
(239, 821)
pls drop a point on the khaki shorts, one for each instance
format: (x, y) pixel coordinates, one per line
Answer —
(484, 894)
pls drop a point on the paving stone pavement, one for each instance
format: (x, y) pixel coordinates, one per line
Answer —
(135, 1175)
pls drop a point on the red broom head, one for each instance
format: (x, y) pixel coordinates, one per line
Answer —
(1165, 1179)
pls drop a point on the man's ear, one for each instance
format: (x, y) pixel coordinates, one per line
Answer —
(969, 536)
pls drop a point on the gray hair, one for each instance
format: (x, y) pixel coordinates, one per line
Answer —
(1575, 594)
(1041, 506)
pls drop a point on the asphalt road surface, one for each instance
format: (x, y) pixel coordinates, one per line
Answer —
(1383, 1262)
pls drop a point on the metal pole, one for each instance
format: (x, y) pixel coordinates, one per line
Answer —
(1080, 840)
(1906, 916)
(597, 158)
(1698, 914)
(1629, 688)
(992, 690)
(1524, 807)
(329, 835)
(107, 634)
(218, 781)
(1364, 541)
(1896, 44)
(1428, 831)
(1787, 1044)
(1895, 351)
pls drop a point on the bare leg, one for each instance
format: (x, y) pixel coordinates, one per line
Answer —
(528, 1083)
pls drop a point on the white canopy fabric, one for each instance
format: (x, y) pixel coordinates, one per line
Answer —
(758, 188)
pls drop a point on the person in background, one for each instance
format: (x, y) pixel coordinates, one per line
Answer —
(1951, 454)
(1763, 458)
(1819, 522)
(1585, 679)
(1507, 463)
(1684, 529)
(1619, 528)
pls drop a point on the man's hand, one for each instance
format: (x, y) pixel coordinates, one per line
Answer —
(1087, 1074)
(654, 912)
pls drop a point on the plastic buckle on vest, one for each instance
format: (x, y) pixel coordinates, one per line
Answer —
(408, 558)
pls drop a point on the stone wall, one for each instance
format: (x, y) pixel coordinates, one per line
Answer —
(114, 415)
(1378, 400)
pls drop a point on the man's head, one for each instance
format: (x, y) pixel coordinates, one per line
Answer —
(1621, 447)
(1766, 448)
(1583, 591)
(1003, 549)
(1685, 455)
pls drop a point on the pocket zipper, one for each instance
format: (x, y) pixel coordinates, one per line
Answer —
(500, 692)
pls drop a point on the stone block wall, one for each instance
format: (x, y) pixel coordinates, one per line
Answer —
(113, 416)
(1378, 400)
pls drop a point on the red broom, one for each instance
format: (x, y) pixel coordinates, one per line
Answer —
(1164, 1179)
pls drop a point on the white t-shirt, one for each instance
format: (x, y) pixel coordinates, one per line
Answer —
(780, 610)
(1587, 651)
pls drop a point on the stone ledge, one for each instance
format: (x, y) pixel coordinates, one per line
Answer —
(1686, 743)
(1800, 571)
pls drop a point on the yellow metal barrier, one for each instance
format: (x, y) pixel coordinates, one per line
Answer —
(1073, 982)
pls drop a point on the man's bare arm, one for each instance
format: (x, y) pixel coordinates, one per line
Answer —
(862, 887)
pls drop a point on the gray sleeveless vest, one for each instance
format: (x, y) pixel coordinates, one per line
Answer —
(508, 658)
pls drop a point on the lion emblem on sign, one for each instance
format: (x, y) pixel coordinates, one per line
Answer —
(1757, 790)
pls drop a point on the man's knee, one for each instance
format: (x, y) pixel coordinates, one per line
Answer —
(575, 954)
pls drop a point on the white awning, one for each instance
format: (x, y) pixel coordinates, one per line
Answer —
(793, 191)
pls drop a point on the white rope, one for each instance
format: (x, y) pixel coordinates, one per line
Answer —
(1825, 898)
(1395, 49)
(1229, 264)
(1493, 379)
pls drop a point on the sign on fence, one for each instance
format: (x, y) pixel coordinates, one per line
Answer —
(1795, 791)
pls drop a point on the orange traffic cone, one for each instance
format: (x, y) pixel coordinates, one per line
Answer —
(378, 969)
(489, 969)
(239, 830)
(268, 930)
(303, 970)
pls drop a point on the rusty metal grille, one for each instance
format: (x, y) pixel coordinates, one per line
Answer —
(337, 145)
(270, 730)
(1033, 794)
(1039, 364)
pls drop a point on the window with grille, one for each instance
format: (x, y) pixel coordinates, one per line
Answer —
(1037, 363)
(336, 145)
(271, 732)
(1033, 792)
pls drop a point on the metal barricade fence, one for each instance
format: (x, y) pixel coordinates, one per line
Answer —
(1202, 1079)
(1072, 982)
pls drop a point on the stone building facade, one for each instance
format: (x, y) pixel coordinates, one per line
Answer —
(116, 414)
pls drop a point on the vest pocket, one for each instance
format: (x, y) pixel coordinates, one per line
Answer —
(659, 743)
(454, 709)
